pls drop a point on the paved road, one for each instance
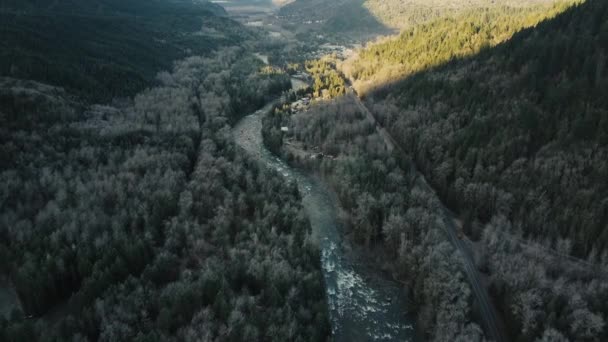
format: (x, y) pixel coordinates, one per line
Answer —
(488, 311)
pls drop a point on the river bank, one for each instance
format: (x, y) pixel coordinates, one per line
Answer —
(364, 304)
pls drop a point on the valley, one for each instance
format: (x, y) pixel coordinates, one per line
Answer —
(257, 170)
(364, 304)
(494, 309)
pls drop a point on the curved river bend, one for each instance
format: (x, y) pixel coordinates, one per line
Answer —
(363, 304)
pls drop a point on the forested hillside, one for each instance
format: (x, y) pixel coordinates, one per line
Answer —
(101, 49)
(139, 219)
(473, 177)
(110, 7)
(422, 47)
(384, 16)
(408, 13)
(542, 107)
(134, 232)
(510, 128)
(385, 209)
(515, 139)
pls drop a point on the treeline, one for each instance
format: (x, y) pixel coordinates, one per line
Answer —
(515, 140)
(102, 49)
(422, 47)
(385, 209)
(143, 221)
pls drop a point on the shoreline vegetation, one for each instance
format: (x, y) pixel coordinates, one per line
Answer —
(331, 136)
(369, 183)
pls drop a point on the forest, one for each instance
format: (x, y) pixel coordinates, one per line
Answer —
(103, 49)
(506, 119)
(145, 222)
(528, 142)
(139, 219)
(514, 141)
(409, 13)
(385, 209)
(364, 20)
(127, 212)
(422, 47)
(327, 82)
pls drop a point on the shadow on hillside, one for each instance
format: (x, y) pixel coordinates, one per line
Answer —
(525, 54)
(113, 54)
(509, 47)
(461, 74)
(354, 19)
(546, 84)
(341, 17)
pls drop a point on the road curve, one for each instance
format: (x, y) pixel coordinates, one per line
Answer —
(488, 311)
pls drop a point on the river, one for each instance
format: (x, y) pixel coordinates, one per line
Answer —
(364, 304)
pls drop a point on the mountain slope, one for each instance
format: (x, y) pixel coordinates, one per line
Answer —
(111, 7)
(140, 219)
(383, 16)
(102, 49)
(515, 140)
(437, 42)
(544, 99)
(339, 17)
(408, 13)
